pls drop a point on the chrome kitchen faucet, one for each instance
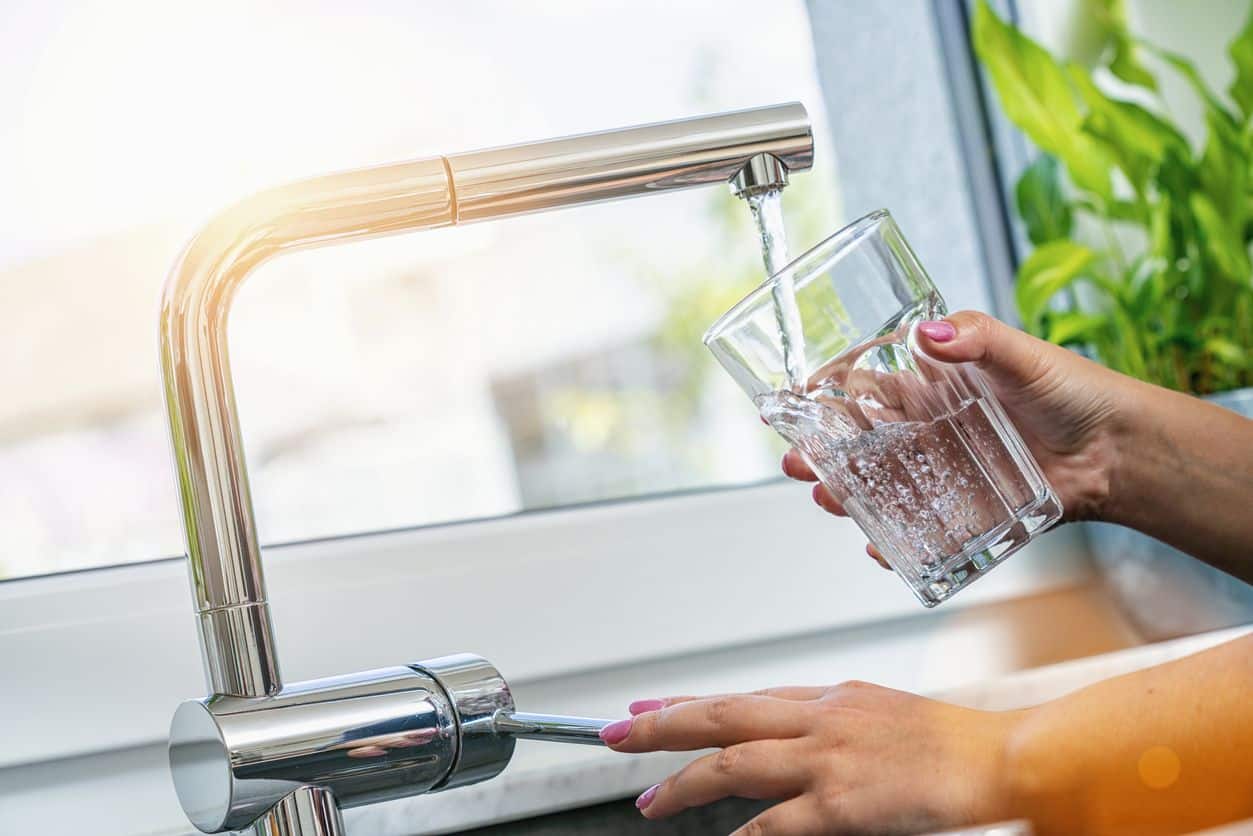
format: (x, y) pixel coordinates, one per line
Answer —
(282, 759)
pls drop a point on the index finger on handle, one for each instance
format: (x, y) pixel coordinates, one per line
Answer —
(784, 692)
(716, 721)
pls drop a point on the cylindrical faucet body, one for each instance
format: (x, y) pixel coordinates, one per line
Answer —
(368, 737)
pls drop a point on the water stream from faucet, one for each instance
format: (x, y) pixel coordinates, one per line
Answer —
(767, 210)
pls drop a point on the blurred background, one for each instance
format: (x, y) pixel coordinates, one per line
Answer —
(452, 375)
(462, 373)
(484, 370)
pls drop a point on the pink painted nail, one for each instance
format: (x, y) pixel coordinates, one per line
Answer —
(640, 706)
(616, 732)
(938, 330)
(646, 797)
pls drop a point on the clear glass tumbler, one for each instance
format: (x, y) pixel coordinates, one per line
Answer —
(920, 452)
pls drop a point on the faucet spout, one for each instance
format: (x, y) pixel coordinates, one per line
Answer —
(224, 559)
(751, 147)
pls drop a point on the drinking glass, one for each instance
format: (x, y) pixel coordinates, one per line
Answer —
(920, 453)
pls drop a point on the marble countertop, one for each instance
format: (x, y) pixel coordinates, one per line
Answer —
(545, 778)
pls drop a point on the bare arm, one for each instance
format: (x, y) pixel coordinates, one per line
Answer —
(1161, 751)
(1184, 474)
(1165, 750)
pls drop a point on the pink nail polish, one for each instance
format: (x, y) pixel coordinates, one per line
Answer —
(646, 797)
(640, 706)
(616, 732)
(939, 331)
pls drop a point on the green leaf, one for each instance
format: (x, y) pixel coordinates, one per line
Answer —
(1173, 232)
(1125, 63)
(1224, 349)
(1241, 52)
(1177, 177)
(1136, 138)
(1224, 168)
(1038, 196)
(1046, 271)
(1144, 286)
(1185, 68)
(1161, 243)
(1130, 211)
(1069, 327)
(1224, 245)
(1036, 97)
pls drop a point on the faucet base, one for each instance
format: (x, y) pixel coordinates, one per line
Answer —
(309, 811)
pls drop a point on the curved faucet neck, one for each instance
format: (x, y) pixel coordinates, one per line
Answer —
(228, 585)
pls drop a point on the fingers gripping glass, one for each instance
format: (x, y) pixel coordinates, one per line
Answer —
(920, 452)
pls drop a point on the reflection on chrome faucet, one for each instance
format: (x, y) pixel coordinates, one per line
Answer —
(283, 759)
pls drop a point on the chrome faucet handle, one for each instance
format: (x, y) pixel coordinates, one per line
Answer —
(370, 736)
(552, 727)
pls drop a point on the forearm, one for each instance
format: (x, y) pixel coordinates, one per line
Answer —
(1164, 750)
(1184, 474)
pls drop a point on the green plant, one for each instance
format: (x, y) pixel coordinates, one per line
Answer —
(1141, 240)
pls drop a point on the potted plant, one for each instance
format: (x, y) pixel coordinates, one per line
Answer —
(1141, 255)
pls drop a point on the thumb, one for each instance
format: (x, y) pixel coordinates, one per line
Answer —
(1002, 352)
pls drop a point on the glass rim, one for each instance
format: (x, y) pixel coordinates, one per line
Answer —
(836, 242)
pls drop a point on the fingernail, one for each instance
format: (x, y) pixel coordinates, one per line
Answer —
(816, 493)
(616, 732)
(938, 330)
(640, 706)
(646, 797)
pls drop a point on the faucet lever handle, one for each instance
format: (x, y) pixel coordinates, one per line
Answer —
(552, 727)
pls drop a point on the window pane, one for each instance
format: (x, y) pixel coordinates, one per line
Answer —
(439, 376)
